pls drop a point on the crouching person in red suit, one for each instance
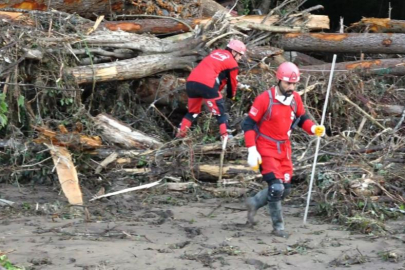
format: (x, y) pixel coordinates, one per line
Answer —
(206, 82)
(267, 130)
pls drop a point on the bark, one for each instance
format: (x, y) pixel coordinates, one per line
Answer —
(92, 8)
(136, 68)
(302, 59)
(153, 26)
(312, 23)
(378, 25)
(344, 43)
(122, 40)
(211, 171)
(68, 139)
(119, 133)
(395, 66)
(86, 8)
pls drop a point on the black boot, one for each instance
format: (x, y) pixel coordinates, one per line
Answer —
(254, 203)
(276, 214)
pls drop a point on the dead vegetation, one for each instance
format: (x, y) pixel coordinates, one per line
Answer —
(112, 99)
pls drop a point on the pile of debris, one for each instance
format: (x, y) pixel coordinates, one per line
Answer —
(110, 93)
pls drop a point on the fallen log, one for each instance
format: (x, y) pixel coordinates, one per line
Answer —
(119, 133)
(312, 22)
(261, 52)
(302, 59)
(136, 68)
(394, 66)
(94, 8)
(378, 25)
(211, 171)
(123, 40)
(343, 43)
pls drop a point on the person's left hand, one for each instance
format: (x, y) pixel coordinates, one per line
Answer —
(318, 130)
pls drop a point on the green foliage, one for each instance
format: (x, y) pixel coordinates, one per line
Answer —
(21, 101)
(4, 262)
(3, 111)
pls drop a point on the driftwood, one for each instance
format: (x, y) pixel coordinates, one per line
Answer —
(69, 139)
(117, 132)
(348, 43)
(94, 8)
(394, 66)
(136, 68)
(378, 25)
(302, 59)
(67, 174)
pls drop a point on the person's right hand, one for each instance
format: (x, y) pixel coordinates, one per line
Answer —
(254, 158)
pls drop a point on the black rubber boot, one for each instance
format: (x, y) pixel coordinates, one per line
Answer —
(276, 214)
(254, 203)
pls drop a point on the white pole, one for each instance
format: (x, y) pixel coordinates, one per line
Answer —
(325, 105)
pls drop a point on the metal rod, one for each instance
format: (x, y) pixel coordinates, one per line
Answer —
(325, 105)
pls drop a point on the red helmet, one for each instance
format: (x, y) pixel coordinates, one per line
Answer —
(288, 72)
(237, 46)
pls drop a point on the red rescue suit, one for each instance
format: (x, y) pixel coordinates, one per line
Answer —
(271, 134)
(205, 83)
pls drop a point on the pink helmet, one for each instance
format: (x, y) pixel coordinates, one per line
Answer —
(288, 72)
(237, 46)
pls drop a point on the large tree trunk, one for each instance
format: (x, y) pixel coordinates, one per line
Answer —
(86, 8)
(395, 66)
(136, 68)
(348, 43)
(91, 8)
(378, 25)
(122, 40)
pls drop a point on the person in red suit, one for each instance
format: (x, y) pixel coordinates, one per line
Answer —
(267, 130)
(206, 82)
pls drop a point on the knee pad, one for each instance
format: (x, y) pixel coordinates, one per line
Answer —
(287, 191)
(276, 190)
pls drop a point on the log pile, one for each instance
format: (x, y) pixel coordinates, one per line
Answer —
(119, 87)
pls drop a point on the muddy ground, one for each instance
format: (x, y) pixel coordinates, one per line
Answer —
(156, 229)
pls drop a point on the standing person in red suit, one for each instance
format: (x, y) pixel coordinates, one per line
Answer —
(206, 81)
(267, 130)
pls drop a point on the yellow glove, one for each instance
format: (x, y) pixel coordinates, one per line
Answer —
(318, 130)
(254, 158)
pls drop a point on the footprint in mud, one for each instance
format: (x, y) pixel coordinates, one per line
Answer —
(235, 226)
(258, 264)
(192, 231)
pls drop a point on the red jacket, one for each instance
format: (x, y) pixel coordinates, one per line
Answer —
(215, 70)
(278, 124)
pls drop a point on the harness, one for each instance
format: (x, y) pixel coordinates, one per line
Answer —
(267, 116)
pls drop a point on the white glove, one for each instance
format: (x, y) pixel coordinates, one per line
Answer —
(318, 130)
(254, 158)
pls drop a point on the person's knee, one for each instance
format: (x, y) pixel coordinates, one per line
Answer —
(276, 187)
(287, 191)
